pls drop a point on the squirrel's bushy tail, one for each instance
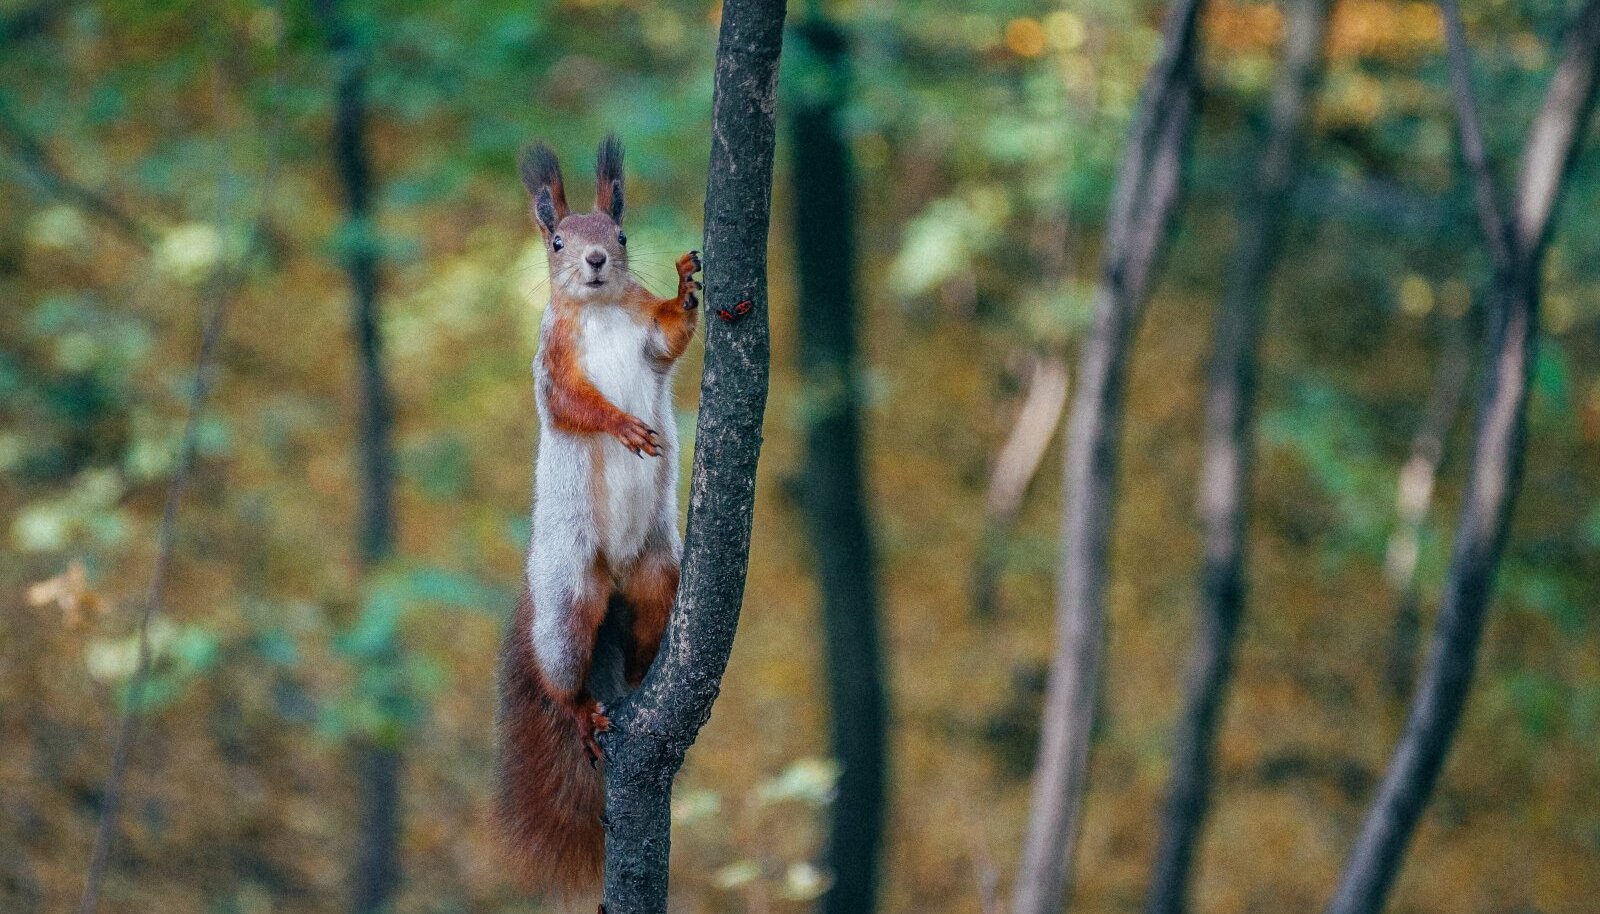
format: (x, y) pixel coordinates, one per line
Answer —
(550, 798)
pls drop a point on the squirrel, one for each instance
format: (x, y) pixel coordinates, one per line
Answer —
(602, 569)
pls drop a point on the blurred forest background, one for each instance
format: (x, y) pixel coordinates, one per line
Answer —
(160, 157)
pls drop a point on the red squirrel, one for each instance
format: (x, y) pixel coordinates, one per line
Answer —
(602, 569)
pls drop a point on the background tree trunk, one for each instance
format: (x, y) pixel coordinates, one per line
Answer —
(654, 727)
(1149, 185)
(834, 495)
(1516, 240)
(377, 867)
(1228, 454)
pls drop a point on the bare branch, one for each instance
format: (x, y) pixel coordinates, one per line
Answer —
(1413, 498)
(1014, 469)
(33, 157)
(1557, 131)
(1227, 454)
(1469, 126)
(834, 491)
(1493, 477)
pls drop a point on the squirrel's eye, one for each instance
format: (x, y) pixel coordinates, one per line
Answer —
(556, 243)
(622, 239)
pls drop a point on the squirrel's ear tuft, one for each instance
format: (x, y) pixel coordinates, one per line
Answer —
(541, 174)
(608, 178)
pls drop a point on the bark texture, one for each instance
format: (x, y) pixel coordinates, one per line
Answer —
(1228, 455)
(833, 492)
(1516, 236)
(1149, 186)
(654, 727)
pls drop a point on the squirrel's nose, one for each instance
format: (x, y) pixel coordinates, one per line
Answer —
(596, 258)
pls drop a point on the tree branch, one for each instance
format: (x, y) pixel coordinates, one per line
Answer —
(1015, 466)
(1557, 131)
(1496, 469)
(33, 157)
(376, 870)
(1413, 498)
(1469, 127)
(834, 492)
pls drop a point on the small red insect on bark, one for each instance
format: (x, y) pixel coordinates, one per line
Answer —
(736, 312)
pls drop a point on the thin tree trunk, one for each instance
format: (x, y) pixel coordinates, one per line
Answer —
(1014, 469)
(1413, 499)
(833, 491)
(1148, 189)
(1228, 455)
(1517, 238)
(653, 727)
(377, 869)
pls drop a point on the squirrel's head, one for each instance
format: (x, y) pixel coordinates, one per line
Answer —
(588, 252)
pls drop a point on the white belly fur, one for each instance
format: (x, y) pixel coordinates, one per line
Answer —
(613, 356)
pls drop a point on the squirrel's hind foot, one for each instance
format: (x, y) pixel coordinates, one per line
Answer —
(591, 720)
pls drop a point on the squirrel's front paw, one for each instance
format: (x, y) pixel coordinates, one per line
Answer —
(689, 264)
(688, 287)
(637, 437)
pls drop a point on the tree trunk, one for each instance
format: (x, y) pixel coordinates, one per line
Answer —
(377, 868)
(1149, 186)
(1516, 238)
(1228, 454)
(833, 491)
(653, 728)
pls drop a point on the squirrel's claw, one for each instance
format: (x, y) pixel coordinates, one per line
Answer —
(589, 723)
(637, 437)
(688, 287)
